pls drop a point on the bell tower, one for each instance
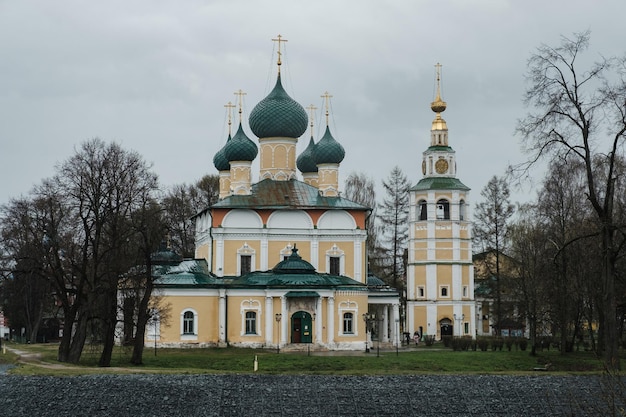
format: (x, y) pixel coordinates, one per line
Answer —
(440, 277)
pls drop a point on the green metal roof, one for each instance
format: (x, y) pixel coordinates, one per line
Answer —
(439, 183)
(303, 280)
(278, 115)
(290, 273)
(440, 148)
(220, 161)
(271, 194)
(240, 147)
(188, 273)
(298, 294)
(328, 150)
(306, 160)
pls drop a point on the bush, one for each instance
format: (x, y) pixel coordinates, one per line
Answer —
(447, 340)
(523, 343)
(509, 343)
(429, 340)
(497, 343)
(483, 343)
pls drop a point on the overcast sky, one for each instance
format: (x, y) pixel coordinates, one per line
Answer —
(155, 76)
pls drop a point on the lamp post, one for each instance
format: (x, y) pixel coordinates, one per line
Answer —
(308, 346)
(278, 317)
(369, 318)
(397, 331)
(460, 320)
(154, 318)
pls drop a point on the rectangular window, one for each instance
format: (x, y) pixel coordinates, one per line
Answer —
(465, 291)
(348, 323)
(246, 264)
(250, 322)
(466, 328)
(334, 265)
(444, 291)
(421, 292)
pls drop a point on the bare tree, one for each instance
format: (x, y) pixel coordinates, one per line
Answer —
(491, 228)
(361, 189)
(102, 185)
(181, 203)
(576, 112)
(529, 245)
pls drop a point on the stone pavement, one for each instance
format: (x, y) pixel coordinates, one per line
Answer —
(269, 395)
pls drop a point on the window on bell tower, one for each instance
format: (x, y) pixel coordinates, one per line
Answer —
(423, 210)
(443, 209)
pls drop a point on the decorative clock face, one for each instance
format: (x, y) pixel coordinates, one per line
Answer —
(424, 167)
(441, 166)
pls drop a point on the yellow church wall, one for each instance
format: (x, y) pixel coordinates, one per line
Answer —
(275, 247)
(266, 156)
(236, 308)
(444, 278)
(205, 309)
(444, 251)
(350, 302)
(421, 319)
(445, 312)
(230, 254)
(347, 247)
(443, 230)
(420, 250)
(202, 252)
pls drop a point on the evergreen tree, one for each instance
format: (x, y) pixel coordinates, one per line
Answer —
(394, 218)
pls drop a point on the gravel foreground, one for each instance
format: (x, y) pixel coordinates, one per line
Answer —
(266, 395)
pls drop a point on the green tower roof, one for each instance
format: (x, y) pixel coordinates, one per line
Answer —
(278, 115)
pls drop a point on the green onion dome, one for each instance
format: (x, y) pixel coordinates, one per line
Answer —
(294, 264)
(306, 160)
(240, 147)
(278, 115)
(220, 161)
(328, 150)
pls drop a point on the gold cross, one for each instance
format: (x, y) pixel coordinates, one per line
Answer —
(240, 95)
(279, 39)
(326, 96)
(229, 107)
(438, 66)
(311, 110)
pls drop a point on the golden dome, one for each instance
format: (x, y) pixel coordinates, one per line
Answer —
(438, 105)
(439, 123)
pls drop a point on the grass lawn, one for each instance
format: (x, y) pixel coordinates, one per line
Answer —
(237, 360)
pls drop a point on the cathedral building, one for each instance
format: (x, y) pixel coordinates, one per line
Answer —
(440, 281)
(280, 262)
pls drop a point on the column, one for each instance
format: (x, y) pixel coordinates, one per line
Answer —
(219, 256)
(269, 319)
(331, 320)
(395, 317)
(222, 316)
(385, 335)
(264, 254)
(318, 320)
(284, 321)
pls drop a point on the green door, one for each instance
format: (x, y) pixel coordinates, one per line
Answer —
(301, 327)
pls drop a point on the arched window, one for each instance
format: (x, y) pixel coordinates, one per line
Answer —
(250, 322)
(189, 323)
(348, 323)
(443, 209)
(423, 210)
(462, 210)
